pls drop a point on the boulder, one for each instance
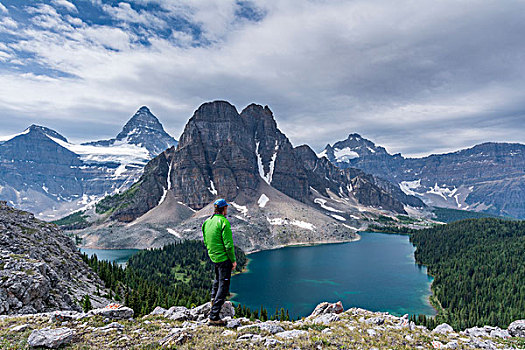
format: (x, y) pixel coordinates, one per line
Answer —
(327, 308)
(158, 311)
(375, 321)
(452, 345)
(271, 327)
(476, 332)
(117, 313)
(443, 329)
(50, 338)
(294, 333)
(326, 319)
(253, 338)
(20, 328)
(234, 323)
(271, 342)
(517, 328)
(202, 312)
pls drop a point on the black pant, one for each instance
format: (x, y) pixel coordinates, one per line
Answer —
(221, 287)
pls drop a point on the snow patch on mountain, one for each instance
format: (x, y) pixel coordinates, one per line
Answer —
(298, 223)
(409, 186)
(345, 154)
(119, 152)
(266, 176)
(442, 191)
(322, 203)
(212, 188)
(263, 199)
(338, 217)
(173, 232)
(243, 209)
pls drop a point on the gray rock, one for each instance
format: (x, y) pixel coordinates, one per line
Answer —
(375, 321)
(271, 342)
(180, 315)
(499, 333)
(121, 313)
(175, 309)
(452, 345)
(443, 329)
(227, 333)
(476, 332)
(480, 344)
(371, 332)
(295, 333)
(20, 328)
(268, 326)
(234, 323)
(253, 338)
(202, 312)
(112, 326)
(50, 338)
(326, 319)
(158, 311)
(517, 328)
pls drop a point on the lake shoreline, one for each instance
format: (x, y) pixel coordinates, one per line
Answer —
(306, 244)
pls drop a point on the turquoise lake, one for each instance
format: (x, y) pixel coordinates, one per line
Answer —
(120, 256)
(377, 273)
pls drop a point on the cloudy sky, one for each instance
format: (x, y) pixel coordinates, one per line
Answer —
(417, 77)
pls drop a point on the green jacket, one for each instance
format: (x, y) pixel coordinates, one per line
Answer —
(218, 238)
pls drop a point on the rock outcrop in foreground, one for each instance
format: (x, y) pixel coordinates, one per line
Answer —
(40, 268)
(328, 327)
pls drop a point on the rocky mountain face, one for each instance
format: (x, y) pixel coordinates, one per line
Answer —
(279, 194)
(489, 177)
(328, 327)
(42, 172)
(143, 130)
(40, 268)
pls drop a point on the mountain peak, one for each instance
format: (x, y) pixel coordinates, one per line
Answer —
(142, 129)
(34, 128)
(355, 146)
(142, 119)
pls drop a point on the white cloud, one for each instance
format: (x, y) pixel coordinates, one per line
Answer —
(3, 8)
(124, 12)
(66, 4)
(413, 80)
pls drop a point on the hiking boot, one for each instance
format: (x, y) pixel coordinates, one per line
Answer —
(220, 323)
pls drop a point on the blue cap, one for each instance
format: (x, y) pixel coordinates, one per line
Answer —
(220, 203)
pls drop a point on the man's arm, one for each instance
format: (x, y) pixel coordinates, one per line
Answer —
(227, 238)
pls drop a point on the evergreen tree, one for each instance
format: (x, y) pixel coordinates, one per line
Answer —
(86, 303)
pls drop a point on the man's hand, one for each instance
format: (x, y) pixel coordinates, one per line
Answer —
(234, 265)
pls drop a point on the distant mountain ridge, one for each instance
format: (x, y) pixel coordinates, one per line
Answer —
(279, 194)
(489, 177)
(42, 172)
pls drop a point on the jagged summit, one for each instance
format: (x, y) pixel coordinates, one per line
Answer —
(143, 119)
(354, 146)
(143, 130)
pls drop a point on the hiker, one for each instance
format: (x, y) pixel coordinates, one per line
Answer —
(218, 239)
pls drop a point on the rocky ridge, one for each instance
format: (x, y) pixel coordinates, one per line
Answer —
(328, 327)
(488, 177)
(41, 268)
(42, 172)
